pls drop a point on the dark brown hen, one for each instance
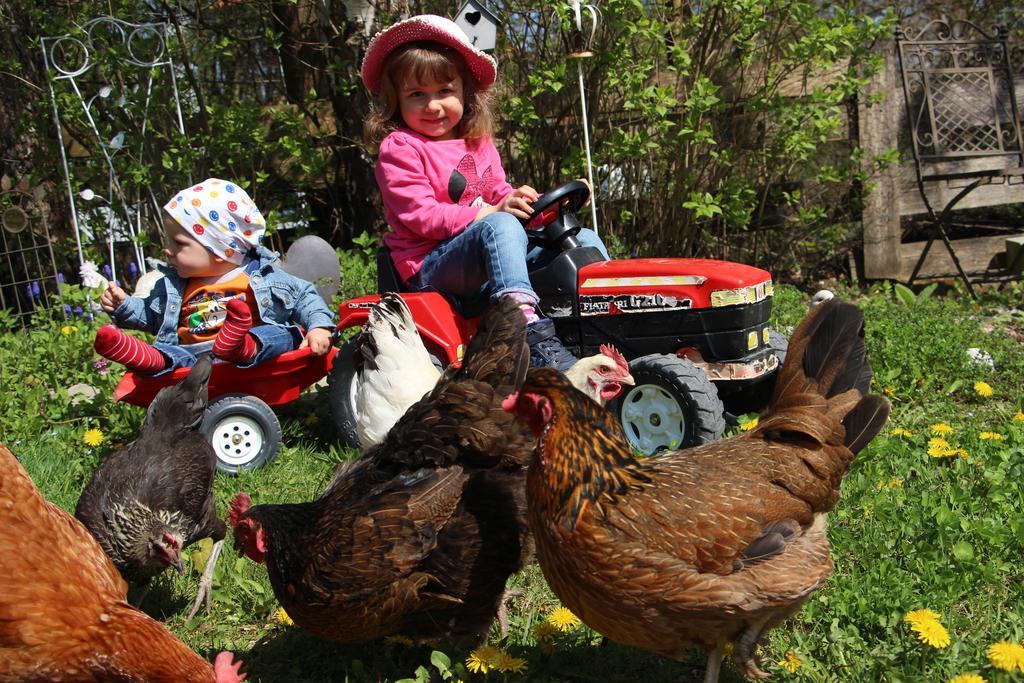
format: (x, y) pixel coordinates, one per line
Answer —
(148, 501)
(419, 535)
(712, 545)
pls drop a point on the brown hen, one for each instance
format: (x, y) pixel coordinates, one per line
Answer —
(712, 545)
(419, 535)
(63, 610)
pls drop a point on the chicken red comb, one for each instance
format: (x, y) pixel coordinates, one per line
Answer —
(239, 505)
(615, 355)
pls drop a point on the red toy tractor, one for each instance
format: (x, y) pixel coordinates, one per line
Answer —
(695, 331)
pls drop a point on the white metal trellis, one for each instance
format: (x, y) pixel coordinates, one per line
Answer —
(69, 59)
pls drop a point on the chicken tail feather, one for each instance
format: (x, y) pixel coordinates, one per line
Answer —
(497, 354)
(825, 381)
(390, 326)
(181, 407)
(865, 421)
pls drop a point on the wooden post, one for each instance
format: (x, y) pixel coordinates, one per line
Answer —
(879, 133)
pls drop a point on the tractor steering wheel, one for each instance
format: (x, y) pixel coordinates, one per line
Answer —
(553, 223)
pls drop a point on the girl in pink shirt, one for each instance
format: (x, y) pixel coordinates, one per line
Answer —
(455, 219)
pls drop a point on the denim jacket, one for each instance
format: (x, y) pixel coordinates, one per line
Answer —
(282, 299)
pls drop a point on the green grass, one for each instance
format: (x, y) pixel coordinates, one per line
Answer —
(911, 530)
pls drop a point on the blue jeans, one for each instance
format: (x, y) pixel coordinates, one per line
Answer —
(271, 342)
(492, 256)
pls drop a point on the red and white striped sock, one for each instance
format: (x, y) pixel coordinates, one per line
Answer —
(527, 305)
(134, 354)
(233, 342)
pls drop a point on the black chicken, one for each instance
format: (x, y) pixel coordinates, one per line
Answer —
(419, 535)
(150, 500)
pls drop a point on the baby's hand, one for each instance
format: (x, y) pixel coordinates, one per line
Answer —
(112, 297)
(318, 340)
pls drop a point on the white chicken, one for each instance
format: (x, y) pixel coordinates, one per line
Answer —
(394, 370)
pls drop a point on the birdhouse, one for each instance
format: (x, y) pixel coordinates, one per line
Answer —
(479, 24)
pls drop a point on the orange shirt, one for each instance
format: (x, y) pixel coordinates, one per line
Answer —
(204, 305)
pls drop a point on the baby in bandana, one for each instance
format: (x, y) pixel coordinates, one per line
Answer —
(222, 292)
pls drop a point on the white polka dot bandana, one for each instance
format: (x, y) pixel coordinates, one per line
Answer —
(220, 216)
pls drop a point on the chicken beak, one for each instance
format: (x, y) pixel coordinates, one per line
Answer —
(177, 563)
(627, 379)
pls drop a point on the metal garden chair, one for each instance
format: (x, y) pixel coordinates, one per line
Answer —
(964, 126)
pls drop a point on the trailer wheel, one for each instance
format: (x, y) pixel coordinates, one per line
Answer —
(244, 432)
(673, 405)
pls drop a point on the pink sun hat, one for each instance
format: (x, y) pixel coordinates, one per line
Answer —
(425, 27)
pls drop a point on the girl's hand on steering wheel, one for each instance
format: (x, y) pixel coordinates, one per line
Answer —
(520, 202)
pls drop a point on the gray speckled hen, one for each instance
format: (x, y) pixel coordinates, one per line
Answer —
(148, 501)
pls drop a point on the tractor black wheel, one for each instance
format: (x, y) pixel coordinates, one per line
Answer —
(673, 405)
(341, 394)
(779, 344)
(754, 398)
(244, 432)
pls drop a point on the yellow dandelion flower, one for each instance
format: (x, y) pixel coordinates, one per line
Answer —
(1006, 655)
(503, 662)
(481, 660)
(790, 662)
(900, 431)
(68, 329)
(895, 483)
(312, 419)
(918, 616)
(940, 448)
(941, 428)
(1019, 416)
(281, 617)
(748, 425)
(983, 389)
(563, 619)
(404, 641)
(962, 452)
(544, 630)
(888, 391)
(93, 437)
(967, 678)
(932, 633)
(990, 436)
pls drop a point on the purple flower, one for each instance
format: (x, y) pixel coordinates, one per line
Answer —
(60, 278)
(102, 366)
(35, 290)
(78, 310)
(67, 310)
(106, 271)
(133, 270)
(89, 316)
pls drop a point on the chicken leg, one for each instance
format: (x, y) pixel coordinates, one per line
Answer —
(714, 665)
(743, 653)
(205, 592)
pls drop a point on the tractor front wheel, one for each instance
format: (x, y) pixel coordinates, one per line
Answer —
(673, 405)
